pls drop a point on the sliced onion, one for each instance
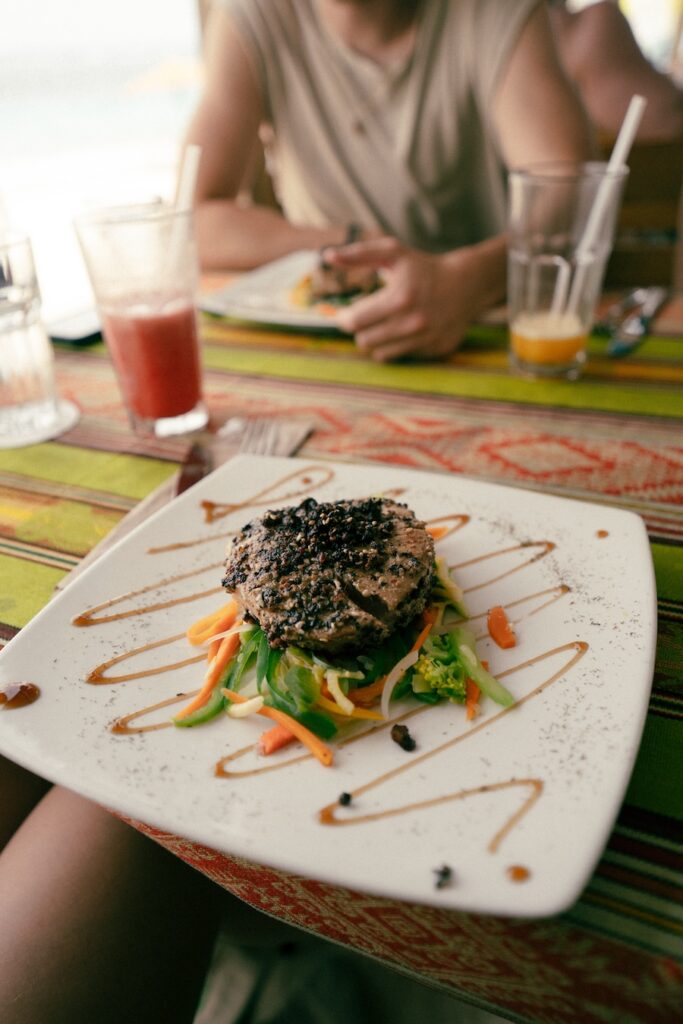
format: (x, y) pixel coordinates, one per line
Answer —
(241, 627)
(249, 707)
(394, 677)
(346, 706)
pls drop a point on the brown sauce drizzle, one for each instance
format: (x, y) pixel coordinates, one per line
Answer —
(546, 547)
(555, 594)
(452, 522)
(364, 728)
(535, 786)
(97, 677)
(308, 482)
(221, 771)
(18, 695)
(182, 544)
(327, 814)
(602, 534)
(122, 726)
(308, 479)
(518, 873)
(91, 618)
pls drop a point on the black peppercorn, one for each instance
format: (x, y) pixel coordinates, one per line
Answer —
(401, 735)
(444, 875)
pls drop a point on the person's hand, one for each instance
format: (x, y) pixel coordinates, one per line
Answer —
(422, 310)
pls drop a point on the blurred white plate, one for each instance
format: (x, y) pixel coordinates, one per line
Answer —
(265, 295)
(536, 788)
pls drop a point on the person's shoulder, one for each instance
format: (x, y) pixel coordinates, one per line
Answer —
(265, 9)
(481, 15)
(601, 24)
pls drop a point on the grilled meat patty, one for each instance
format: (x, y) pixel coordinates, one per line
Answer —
(336, 576)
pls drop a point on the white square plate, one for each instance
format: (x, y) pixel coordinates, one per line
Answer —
(264, 295)
(518, 803)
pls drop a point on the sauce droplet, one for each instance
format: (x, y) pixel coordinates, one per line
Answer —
(602, 533)
(18, 695)
(517, 873)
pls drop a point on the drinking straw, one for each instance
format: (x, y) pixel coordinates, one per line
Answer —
(188, 177)
(184, 198)
(618, 158)
(564, 273)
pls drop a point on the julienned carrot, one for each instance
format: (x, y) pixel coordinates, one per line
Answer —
(428, 619)
(309, 739)
(367, 694)
(329, 705)
(499, 628)
(229, 647)
(227, 650)
(203, 629)
(275, 738)
(472, 694)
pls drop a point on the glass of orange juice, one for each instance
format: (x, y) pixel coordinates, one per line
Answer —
(143, 268)
(561, 223)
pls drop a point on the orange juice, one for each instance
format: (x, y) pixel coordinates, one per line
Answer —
(548, 339)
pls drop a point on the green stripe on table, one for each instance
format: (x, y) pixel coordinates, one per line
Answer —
(656, 781)
(442, 379)
(668, 563)
(23, 593)
(56, 524)
(132, 476)
(655, 348)
(591, 913)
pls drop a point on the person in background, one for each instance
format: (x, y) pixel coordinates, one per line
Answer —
(603, 59)
(399, 117)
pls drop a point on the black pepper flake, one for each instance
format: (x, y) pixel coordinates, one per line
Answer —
(444, 876)
(345, 799)
(400, 734)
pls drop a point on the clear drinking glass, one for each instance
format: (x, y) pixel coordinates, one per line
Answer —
(561, 230)
(30, 410)
(142, 263)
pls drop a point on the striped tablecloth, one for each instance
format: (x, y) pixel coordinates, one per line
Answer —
(615, 437)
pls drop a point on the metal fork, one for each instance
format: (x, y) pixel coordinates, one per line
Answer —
(260, 435)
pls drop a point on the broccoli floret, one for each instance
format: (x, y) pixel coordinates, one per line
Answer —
(439, 670)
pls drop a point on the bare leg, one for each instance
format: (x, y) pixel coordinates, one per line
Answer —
(98, 922)
(20, 791)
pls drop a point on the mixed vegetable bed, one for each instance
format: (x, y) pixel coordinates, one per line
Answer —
(309, 697)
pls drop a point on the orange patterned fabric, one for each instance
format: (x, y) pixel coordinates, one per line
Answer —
(542, 971)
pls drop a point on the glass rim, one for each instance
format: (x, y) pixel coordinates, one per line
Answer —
(131, 213)
(568, 170)
(12, 237)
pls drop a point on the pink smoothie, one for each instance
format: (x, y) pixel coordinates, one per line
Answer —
(156, 357)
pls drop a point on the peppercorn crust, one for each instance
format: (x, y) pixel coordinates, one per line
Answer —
(335, 576)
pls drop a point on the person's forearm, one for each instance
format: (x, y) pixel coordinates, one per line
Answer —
(480, 271)
(234, 237)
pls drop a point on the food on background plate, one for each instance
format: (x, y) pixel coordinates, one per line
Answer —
(336, 610)
(336, 283)
(328, 288)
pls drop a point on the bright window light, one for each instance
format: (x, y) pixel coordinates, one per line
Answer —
(94, 101)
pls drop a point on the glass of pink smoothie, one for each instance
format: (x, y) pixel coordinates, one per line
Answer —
(142, 263)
